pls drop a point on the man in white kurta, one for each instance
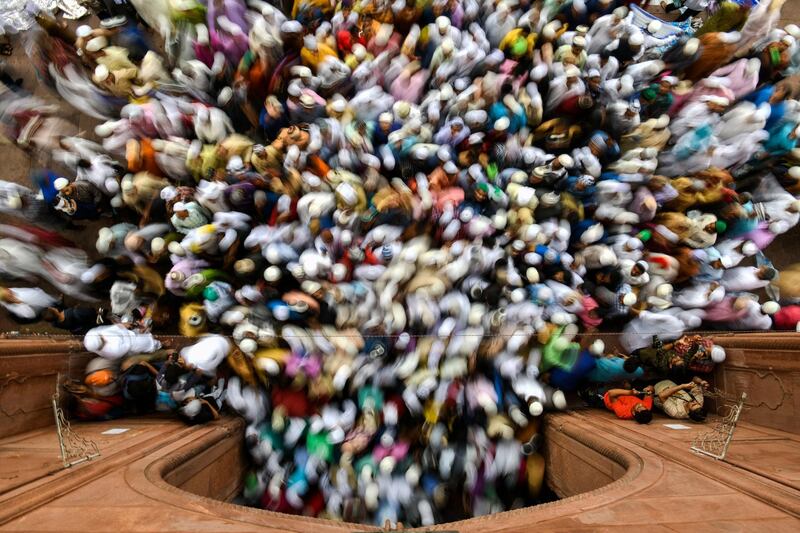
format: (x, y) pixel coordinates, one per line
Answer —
(116, 342)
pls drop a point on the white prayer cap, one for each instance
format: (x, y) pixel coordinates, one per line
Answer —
(572, 71)
(60, 183)
(235, 164)
(718, 354)
(92, 341)
(301, 71)
(792, 30)
(272, 274)
(371, 160)
(306, 100)
(749, 248)
(621, 12)
(637, 39)
(593, 73)
(726, 261)
(339, 105)
(101, 74)
(654, 26)
(718, 100)
(310, 42)
(443, 153)
(310, 286)
(96, 44)
(291, 26)
(629, 299)
(385, 117)
(475, 138)
(476, 117)
(502, 124)
(450, 167)
(770, 307)
(402, 109)
(294, 89)
(691, 46)
(448, 45)
(83, 31)
(461, 83)
(446, 91)
(347, 193)
(794, 172)
(442, 23)
(579, 41)
(359, 51)
(225, 95)
(419, 152)
(566, 161)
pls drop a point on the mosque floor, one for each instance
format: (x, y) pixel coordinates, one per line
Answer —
(161, 475)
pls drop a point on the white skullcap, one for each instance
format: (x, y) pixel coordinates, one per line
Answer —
(621, 12)
(385, 117)
(96, 44)
(92, 341)
(83, 31)
(572, 71)
(310, 286)
(450, 167)
(654, 26)
(294, 89)
(718, 100)
(60, 183)
(718, 354)
(443, 153)
(235, 163)
(502, 124)
(448, 45)
(291, 26)
(579, 41)
(300, 71)
(566, 161)
(637, 39)
(691, 46)
(442, 23)
(101, 73)
(339, 105)
(272, 274)
(770, 307)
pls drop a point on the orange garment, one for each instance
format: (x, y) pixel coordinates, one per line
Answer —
(623, 405)
(317, 166)
(143, 159)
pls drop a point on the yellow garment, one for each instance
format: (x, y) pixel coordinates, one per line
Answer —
(115, 59)
(312, 59)
(513, 35)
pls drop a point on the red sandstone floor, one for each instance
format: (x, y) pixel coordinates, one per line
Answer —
(755, 489)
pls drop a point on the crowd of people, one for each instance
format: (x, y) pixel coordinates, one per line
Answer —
(381, 231)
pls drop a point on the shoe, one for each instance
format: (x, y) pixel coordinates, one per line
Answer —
(113, 22)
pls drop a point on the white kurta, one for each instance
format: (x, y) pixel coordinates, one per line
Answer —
(33, 301)
(207, 354)
(116, 342)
